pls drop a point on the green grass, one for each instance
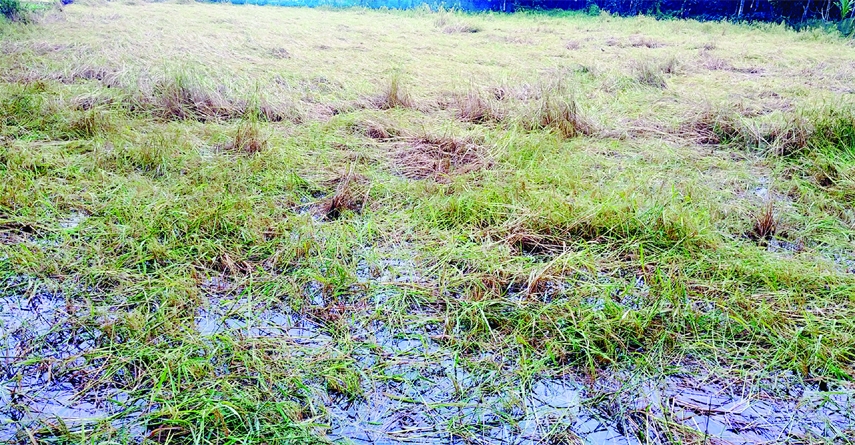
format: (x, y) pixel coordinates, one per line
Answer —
(525, 207)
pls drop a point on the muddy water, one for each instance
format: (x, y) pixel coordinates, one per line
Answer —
(415, 389)
(422, 402)
(45, 381)
(420, 392)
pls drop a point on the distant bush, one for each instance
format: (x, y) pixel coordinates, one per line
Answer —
(593, 10)
(12, 10)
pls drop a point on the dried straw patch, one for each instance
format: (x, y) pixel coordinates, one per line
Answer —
(711, 127)
(375, 129)
(526, 242)
(439, 158)
(351, 195)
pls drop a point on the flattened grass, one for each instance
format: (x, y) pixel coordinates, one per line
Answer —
(560, 214)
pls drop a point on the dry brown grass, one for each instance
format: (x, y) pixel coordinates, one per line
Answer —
(376, 128)
(525, 242)
(439, 157)
(248, 139)
(559, 114)
(351, 195)
(710, 126)
(765, 225)
(474, 107)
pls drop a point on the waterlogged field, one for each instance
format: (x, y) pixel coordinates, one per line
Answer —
(226, 224)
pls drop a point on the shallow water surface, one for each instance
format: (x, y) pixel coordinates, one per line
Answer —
(414, 389)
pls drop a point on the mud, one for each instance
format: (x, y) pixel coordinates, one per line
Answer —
(46, 382)
(240, 318)
(414, 389)
(419, 401)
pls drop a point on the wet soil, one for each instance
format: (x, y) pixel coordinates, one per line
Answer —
(416, 390)
(46, 382)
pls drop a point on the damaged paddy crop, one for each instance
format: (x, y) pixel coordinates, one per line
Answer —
(226, 224)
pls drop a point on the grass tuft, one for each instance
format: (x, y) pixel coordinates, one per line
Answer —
(91, 123)
(395, 95)
(650, 73)
(474, 107)
(350, 196)
(249, 138)
(187, 97)
(765, 225)
(558, 114)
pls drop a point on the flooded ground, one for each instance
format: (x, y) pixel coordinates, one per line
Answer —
(47, 383)
(412, 388)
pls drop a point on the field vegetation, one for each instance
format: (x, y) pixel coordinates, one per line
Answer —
(240, 224)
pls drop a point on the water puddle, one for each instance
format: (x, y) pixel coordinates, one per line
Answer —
(426, 394)
(413, 389)
(241, 318)
(46, 383)
(73, 220)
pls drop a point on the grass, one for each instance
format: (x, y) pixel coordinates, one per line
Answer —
(292, 224)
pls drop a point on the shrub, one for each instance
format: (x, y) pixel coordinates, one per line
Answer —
(12, 10)
(593, 10)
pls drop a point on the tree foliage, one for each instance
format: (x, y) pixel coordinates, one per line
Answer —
(768, 10)
(11, 9)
